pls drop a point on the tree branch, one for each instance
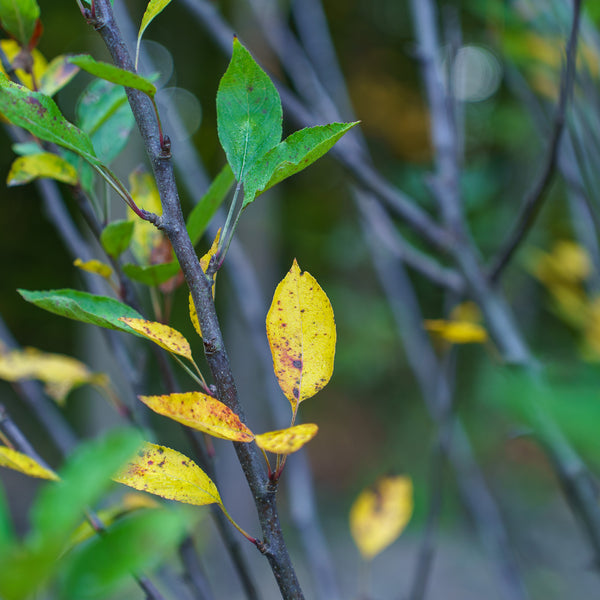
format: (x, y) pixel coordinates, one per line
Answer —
(534, 199)
(173, 224)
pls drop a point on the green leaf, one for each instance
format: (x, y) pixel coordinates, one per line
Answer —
(153, 274)
(104, 114)
(294, 154)
(19, 18)
(204, 211)
(44, 164)
(115, 237)
(134, 544)
(26, 148)
(57, 74)
(61, 505)
(249, 113)
(84, 307)
(38, 114)
(7, 532)
(154, 8)
(114, 74)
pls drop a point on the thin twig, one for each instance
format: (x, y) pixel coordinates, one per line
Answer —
(534, 199)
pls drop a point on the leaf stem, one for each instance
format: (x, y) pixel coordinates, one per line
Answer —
(244, 533)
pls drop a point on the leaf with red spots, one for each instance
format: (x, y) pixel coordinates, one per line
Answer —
(379, 515)
(167, 473)
(286, 441)
(202, 412)
(301, 332)
(204, 262)
(38, 114)
(166, 337)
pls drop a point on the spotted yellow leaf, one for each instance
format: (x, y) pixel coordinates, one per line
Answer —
(379, 515)
(204, 262)
(457, 332)
(286, 441)
(94, 266)
(166, 337)
(201, 412)
(301, 332)
(24, 464)
(167, 473)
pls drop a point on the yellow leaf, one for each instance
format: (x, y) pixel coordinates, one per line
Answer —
(60, 373)
(94, 266)
(167, 473)
(166, 337)
(378, 516)
(457, 332)
(146, 237)
(24, 464)
(204, 262)
(301, 332)
(11, 48)
(286, 441)
(201, 412)
(43, 164)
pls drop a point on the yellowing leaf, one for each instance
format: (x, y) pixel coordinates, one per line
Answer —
(154, 8)
(146, 238)
(457, 332)
(301, 332)
(60, 373)
(286, 441)
(378, 516)
(24, 464)
(94, 266)
(166, 337)
(204, 262)
(201, 412)
(42, 164)
(165, 472)
(11, 48)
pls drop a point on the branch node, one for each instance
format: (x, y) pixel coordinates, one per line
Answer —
(165, 148)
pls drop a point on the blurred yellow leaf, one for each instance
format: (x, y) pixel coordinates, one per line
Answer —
(457, 332)
(204, 262)
(379, 515)
(94, 266)
(60, 373)
(43, 164)
(301, 332)
(24, 464)
(201, 412)
(466, 311)
(11, 48)
(167, 473)
(166, 337)
(286, 441)
(146, 237)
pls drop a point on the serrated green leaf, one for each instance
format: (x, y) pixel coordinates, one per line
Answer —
(152, 274)
(115, 237)
(208, 205)
(18, 18)
(60, 506)
(38, 114)
(134, 544)
(44, 164)
(298, 151)
(104, 114)
(57, 74)
(114, 74)
(249, 113)
(154, 8)
(84, 307)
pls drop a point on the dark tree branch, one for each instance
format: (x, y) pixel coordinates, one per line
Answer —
(534, 199)
(173, 224)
